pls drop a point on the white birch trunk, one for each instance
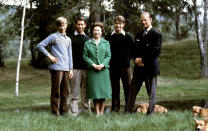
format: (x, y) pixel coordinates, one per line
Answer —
(202, 41)
(20, 50)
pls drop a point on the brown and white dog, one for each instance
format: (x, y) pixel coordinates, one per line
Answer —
(143, 108)
(201, 111)
(201, 125)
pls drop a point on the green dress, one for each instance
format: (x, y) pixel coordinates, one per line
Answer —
(98, 82)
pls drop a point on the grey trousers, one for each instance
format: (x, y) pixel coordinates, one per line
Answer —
(78, 83)
(135, 86)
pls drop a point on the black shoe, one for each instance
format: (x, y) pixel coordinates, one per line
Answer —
(150, 113)
(56, 113)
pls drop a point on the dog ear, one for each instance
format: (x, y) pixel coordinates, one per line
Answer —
(206, 120)
(201, 109)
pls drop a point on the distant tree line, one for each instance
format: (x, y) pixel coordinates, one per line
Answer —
(175, 19)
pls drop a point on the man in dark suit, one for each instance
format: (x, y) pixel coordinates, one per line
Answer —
(147, 49)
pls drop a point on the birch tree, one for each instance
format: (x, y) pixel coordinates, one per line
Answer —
(20, 50)
(202, 36)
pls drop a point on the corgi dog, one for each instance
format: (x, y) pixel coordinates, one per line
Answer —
(201, 125)
(143, 108)
(201, 111)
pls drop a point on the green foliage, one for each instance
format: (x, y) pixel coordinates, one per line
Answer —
(176, 17)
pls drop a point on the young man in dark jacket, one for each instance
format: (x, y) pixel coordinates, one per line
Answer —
(121, 44)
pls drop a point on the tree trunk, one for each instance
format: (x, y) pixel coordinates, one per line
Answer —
(177, 22)
(204, 64)
(95, 6)
(95, 12)
(20, 50)
(43, 33)
(201, 42)
(1, 55)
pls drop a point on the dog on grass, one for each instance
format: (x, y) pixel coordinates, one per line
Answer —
(143, 108)
(201, 125)
(201, 111)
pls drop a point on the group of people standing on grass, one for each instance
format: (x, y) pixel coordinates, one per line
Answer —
(95, 65)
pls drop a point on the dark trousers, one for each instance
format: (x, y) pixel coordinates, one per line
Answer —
(115, 75)
(59, 91)
(135, 86)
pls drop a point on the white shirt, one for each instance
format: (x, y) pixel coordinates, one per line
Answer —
(122, 32)
(76, 33)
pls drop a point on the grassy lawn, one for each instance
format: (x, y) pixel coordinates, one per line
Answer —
(179, 88)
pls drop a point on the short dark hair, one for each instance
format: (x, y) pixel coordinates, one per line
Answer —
(81, 18)
(60, 21)
(100, 24)
(119, 18)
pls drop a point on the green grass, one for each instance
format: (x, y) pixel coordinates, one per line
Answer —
(181, 59)
(27, 120)
(179, 88)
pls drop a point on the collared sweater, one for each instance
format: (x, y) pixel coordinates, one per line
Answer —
(77, 50)
(60, 46)
(121, 49)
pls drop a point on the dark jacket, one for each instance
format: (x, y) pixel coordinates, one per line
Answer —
(121, 49)
(148, 48)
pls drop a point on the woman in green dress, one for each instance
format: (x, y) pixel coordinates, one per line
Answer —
(97, 56)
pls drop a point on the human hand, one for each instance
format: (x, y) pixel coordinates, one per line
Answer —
(53, 59)
(100, 67)
(138, 62)
(70, 74)
(95, 66)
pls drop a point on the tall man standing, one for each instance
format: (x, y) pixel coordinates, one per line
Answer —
(80, 77)
(147, 49)
(121, 44)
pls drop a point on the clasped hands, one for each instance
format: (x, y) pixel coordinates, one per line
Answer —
(98, 67)
(138, 62)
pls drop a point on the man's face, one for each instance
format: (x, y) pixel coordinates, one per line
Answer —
(146, 21)
(119, 26)
(62, 28)
(80, 26)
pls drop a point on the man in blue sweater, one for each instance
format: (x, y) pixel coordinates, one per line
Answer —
(61, 67)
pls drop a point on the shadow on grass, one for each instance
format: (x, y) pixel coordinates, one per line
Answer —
(181, 105)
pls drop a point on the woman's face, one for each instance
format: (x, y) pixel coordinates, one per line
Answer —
(97, 32)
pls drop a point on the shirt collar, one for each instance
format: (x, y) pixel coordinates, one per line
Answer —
(61, 34)
(148, 29)
(76, 33)
(122, 32)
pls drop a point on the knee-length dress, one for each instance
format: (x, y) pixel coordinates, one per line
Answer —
(98, 82)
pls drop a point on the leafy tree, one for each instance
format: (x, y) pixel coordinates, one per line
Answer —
(178, 12)
(40, 23)
(4, 27)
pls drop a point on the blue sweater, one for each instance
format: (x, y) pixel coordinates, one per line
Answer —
(60, 46)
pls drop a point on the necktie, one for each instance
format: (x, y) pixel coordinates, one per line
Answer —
(145, 33)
